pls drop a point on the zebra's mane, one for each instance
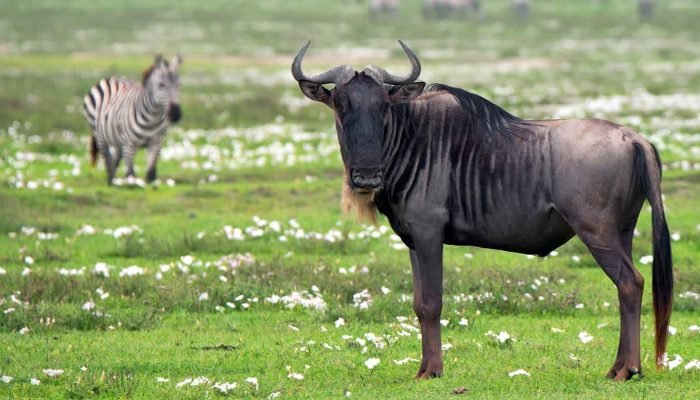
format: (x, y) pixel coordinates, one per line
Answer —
(148, 71)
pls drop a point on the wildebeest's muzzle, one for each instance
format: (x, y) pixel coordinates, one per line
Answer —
(174, 113)
(366, 179)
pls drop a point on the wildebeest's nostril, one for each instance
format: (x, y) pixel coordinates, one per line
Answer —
(366, 177)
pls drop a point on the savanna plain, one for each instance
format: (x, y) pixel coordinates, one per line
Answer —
(237, 276)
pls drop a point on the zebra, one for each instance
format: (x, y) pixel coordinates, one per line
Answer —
(126, 115)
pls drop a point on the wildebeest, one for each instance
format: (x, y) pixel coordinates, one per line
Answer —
(447, 166)
(446, 8)
(646, 9)
(522, 8)
(388, 7)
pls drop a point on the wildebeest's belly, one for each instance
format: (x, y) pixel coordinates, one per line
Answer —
(535, 232)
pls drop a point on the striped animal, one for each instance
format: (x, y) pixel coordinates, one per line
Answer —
(126, 115)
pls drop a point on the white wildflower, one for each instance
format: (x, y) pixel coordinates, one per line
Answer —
(101, 269)
(405, 360)
(372, 362)
(53, 373)
(585, 337)
(253, 381)
(86, 230)
(518, 372)
(295, 375)
(692, 364)
(133, 270)
(224, 387)
(673, 363)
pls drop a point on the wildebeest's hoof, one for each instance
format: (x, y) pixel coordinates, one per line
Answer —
(623, 373)
(429, 373)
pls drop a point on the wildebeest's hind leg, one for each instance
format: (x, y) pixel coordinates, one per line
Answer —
(426, 261)
(613, 253)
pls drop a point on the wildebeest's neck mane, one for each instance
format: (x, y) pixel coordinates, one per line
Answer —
(488, 120)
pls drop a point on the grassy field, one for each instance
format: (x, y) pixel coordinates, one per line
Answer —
(239, 269)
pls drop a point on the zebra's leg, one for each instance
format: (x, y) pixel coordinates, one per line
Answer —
(117, 158)
(153, 154)
(109, 163)
(129, 153)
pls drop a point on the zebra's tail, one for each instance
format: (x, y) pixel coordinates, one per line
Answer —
(93, 150)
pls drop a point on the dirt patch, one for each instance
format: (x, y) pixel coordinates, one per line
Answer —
(218, 347)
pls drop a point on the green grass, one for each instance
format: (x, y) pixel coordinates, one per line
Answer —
(250, 145)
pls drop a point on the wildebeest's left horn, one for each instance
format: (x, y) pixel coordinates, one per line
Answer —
(330, 76)
(401, 80)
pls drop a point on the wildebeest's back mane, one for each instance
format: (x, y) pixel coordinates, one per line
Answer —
(489, 120)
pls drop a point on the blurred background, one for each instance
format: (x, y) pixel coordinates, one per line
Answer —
(529, 56)
(635, 62)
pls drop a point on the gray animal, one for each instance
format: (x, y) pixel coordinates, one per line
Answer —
(449, 167)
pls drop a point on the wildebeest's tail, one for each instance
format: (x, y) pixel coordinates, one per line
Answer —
(648, 168)
(93, 150)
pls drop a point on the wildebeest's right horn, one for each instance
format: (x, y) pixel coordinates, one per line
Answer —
(330, 76)
(401, 80)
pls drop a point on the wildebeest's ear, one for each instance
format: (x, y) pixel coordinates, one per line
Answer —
(407, 92)
(316, 92)
(158, 60)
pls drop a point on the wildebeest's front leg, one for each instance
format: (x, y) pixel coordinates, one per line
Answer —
(153, 154)
(426, 261)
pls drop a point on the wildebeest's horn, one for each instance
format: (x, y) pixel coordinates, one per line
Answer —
(400, 80)
(330, 76)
